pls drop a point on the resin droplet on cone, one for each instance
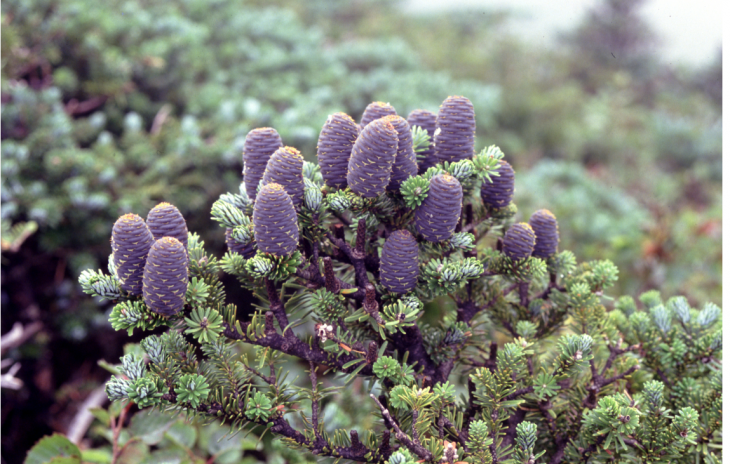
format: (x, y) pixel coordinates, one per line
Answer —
(131, 241)
(165, 220)
(166, 277)
(405, 164)
(455, 140)
(285, 168)
(545, 226)
(399, 262)
(260, 144)
(275, 221)
(426, 120)
(371, 162)
(439, 213)
(499, 192)
(519, 241)
(334, 146)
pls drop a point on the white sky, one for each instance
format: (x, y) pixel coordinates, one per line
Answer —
(690, 30)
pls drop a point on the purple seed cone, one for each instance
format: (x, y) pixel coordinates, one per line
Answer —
(247, 251)
(405, 164)
(427, 120)
(164, 220)
(334, 147)
(399, 262)
(260, 144)
(519, 241)
(375, 110)
(371, 162)
(131, 241)
(166, 277)
(285, 168)
(275, 225)
(455, 141)
(437, 216)
(500, 191)
(545, 226)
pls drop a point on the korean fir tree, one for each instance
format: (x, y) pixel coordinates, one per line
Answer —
(525, 365)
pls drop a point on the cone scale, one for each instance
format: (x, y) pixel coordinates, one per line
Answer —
(131, 242)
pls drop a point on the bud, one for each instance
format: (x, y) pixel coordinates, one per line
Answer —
(260, 144)
(371, 162)
(545, 226)
(499, 192)
(426, 120)
(247, 251)
(519, 241)
(166, 277)
(131, 241)
(399, 262)
(165, 220)
(334, 147)
(439, 213)
(405, 159)
(457, 125)
(376, 110)
(275, 221)
(285, 168)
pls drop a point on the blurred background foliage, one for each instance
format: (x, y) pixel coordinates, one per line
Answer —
(113, 107)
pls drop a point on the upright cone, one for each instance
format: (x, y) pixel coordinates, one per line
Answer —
(371, 162)
(426, 120)
(285, 168)
(399, 262)
(165, 220)
(334, 146)
(545, 226)
(500, 191)
(376, 110)
(405, 164)
(275, 225)
(260, 144)
(247, 251)
(439, 213)
(455, 141)
(166, 277)
(131, 242)
(519, 241)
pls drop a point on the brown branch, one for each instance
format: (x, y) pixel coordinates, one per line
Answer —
(414, 447)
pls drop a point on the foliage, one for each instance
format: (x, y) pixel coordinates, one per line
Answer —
(572, 381)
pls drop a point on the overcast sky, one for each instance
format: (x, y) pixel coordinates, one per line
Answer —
(690, 30)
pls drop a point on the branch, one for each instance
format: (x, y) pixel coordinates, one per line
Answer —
(416, 448)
